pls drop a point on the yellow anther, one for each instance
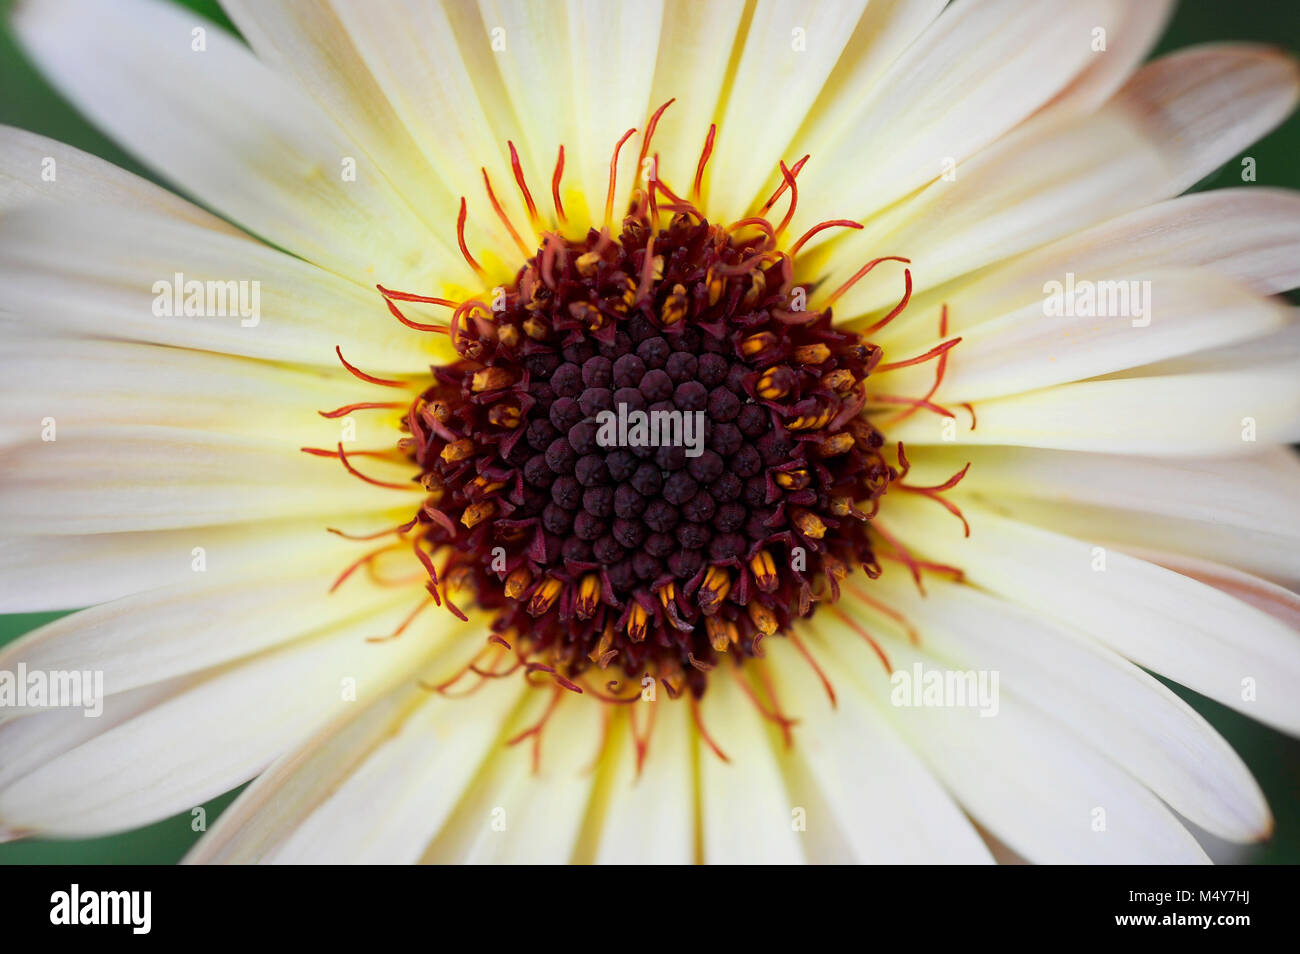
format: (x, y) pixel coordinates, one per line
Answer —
(458, 450)
(517, 582)
(544, 596)
(714, 589)
(491, 379)
(762, 618)
(588, 596)
(764, 569)
(476, 513)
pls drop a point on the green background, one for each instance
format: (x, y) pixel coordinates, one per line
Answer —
(29, 102)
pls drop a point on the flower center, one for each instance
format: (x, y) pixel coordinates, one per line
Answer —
(650, 453)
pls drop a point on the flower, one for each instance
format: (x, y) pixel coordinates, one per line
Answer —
(993, 386)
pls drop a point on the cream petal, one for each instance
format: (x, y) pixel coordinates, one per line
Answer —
(1212, 101)
(1059, 173)
(1192, 633)
(405, 73)
(554, 100)
(515, 814)
(746, 814)
(223, 127)
(1193, 414)
(883, 32)
(417, 775)
(1275, 600)
(975, 73)
(1145, 317)
(1250, 235)
(157, 478)
(1129, 36)
(614, 47)
(89, 383)
(206, 740)
(207, 620)
(696, 43)
(30, 742)
(1035, 787)
(883, 806)
(647, 817)
(1108, 703)
(279, 798)
(788, 52)
(112, 272)
(1236, 510)
(69, 570)
(36, 169)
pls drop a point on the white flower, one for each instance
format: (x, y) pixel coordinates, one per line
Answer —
(1121, 389)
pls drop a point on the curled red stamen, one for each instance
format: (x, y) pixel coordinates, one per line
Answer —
(555, 186)
(861, 630)
(347, 465)
(794, 197)
(613, 176)
(704, 733)
(368, 378)
(408, 296)
(826, 683)
(862, 273)
(650, 128)
(698, 184)
(501, 214)
(785, 184)
(934, 352)
(523, 185)
(347, 409)
(401, 628)
(416, 325)
(821, 227)
(460, 239)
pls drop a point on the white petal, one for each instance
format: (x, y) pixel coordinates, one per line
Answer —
(1206, 413)
(976, 72)
(1028, 781)
(206, 740)
(224, 127)
(789, 50)
(514, 814)
(156, 478)
(90, 383)
(1275, 600)
(30, 742)
(1129, 36)
(695, 45)
(1147, 316)
(1108, 703)
(648, 816)
(1238, 510)
(210, 620)
(435, 67)
(746, 814)
(1251, 235)
(1165, 622)
(99, 272)
(1057, 174)
(34, 168)
(399, 793)
(550, 56)
(70, 570)
(882, 804)
(1211, 101)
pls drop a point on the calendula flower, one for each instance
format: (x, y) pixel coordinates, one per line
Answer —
(657, 431)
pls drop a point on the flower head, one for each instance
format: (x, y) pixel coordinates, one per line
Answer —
(651, 431)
